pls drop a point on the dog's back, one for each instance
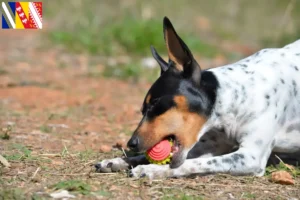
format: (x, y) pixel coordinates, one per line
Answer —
(265, 85)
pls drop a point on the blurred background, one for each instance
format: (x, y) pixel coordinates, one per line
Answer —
(87, 71)
(85, 74)
(76, 86)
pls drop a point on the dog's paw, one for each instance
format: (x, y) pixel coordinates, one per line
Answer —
(111, 165)
(151, 171)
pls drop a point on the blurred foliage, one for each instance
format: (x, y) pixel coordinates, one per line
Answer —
(127, 36)
(131, 72)
(128, 27)
(131, 26)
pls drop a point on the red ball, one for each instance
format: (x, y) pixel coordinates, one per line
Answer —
(160, 151)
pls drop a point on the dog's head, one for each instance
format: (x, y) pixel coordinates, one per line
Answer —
(175, 106)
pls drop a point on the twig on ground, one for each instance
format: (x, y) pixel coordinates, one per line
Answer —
(34, 174)
(4, 161)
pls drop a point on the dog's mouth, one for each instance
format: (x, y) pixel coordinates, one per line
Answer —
(175, 145)
(177, 156)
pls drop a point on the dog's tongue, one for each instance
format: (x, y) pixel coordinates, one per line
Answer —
(174, 149)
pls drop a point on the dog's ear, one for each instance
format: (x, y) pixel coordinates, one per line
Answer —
(163, 64)
(180, 54)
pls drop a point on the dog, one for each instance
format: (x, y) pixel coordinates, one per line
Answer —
(227, 119)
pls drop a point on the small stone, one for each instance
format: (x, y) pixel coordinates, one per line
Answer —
(282, 177)
(105, 148)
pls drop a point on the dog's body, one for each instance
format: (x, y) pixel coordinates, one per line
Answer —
(252, 106)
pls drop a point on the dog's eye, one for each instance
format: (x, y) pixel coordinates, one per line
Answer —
(152, 104)
(154, 101)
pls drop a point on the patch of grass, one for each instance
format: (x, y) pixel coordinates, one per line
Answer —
(131, 71)
(22, 153)
(45, 128)
(73, 186)
(127, 35)
(3, 72)
(248, 195)
(295, 171)
(13, 194)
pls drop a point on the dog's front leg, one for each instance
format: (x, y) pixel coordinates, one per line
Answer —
(242, 162)
(117, 164)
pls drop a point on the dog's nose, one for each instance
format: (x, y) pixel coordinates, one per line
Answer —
(133, 143)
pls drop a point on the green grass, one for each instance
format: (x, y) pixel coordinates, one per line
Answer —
(73, 186)
(282, 166)
(21, 153)
(12, 194)
(248, 195)
(45, 128)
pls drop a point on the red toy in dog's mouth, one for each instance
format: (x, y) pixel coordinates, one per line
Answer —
(163, 151)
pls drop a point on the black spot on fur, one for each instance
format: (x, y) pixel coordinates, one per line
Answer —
(244, 65)
(275, 90)
(237, 156)
(209, 162)
(267, 96)
(296, 68)
(218, 114)
(243, 163)
(297, 54)
(295, 87)
(253, 157)
(282, 81)
(230, 68)
(227, 160)
(285, 107)
(214, 161)
(234, 166)
(274, 64)
(275, 116)
(256, 54)
(282, 54)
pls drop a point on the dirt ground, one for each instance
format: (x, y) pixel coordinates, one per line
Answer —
(56, 120)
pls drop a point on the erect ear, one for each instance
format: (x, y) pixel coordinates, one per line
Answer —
(163, 64)
(180, 54)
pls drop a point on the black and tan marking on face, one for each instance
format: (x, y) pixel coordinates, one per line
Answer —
(176, 121)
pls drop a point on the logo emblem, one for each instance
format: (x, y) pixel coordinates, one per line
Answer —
(22, 15)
